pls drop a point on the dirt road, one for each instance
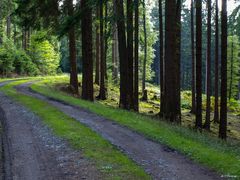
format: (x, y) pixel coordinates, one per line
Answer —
(158, 160)
(30, 151)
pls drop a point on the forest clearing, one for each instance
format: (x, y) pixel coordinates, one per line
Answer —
(131, 90)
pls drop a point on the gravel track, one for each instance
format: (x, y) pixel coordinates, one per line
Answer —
(158, 160)
(32, 152)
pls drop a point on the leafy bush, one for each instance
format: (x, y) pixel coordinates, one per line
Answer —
(43, 54)
(6, 62)
(24, 65)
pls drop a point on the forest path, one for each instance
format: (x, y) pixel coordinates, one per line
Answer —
(158, 160)
(31, 152)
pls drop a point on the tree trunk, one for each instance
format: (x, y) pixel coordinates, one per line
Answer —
(24, 38)
(122, 54)
(171, 110)
(87, 78)
(193, 109)
(178, 59)
(223, 111)
(198, 64)
(161, 46)
(145, 52)
(106, 41)
(231, 70)
(216, 104)
(9, 26)
(97, 70)
(136, 57)
(130, 53)
(1, 24)
(208, 74)
(102, 94)
(15, 34)
(115, 55)
(72, 53)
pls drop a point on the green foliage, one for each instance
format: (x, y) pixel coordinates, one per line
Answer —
(43, 54)
(6, 62)
(23, 64)
(13, 60)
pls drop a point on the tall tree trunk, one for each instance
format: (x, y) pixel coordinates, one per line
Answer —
(144, 98)
(199, 64)
(122, 54)
(178, 58)
(24, 38)
(9, 19)
(216, 103)
(161, 45)
(115, 55)
(15, 34)
(87, 78)
(136, 56)
(171, 111)
(97, 70)
(130, 53)
(9, 26)
(72, 52)
(102, 94)
(193, 108)
(1, 24)
(28, 37)
(223, 111)
(208, 74)
(106, 41)
(231, 70)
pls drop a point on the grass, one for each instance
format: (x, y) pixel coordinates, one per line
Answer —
(223, 157)
(111, 163)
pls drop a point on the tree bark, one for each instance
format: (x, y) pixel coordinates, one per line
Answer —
(106, 41)
(231, 70)
(9, 26)
(87, 78)
(102, 94)
(198, 64)
(136, 56)
(122, 54)
(115, 55)
(208, 74)
(178, 58)
(145, 53)
(1, 24)
(130, 53)
(193, 108)
(171, 110)
(216, 103)
(161, 45)
(72, 52)
(97, 70)
(223, 111)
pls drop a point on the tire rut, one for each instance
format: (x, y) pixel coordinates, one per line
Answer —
(158, 160)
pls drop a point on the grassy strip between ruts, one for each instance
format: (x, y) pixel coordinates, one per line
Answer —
(111, 163)
(218, 155)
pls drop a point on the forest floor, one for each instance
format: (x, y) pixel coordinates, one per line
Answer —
(48, 138)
